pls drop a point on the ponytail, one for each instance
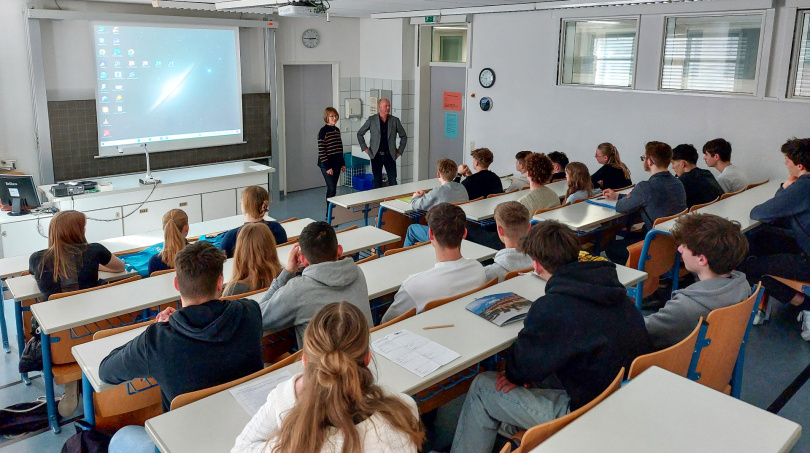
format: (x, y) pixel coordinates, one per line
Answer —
(255, 201)
(174, 240)
(610, 151)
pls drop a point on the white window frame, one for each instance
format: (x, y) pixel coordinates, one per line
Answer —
(561, 52)
(794, 55)
(764, 29)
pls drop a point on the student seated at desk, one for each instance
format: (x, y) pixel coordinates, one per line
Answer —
(580, 185)
(512, 222)
(175, 230)
(205, 343)
(699, 184)
(560, 162)
(521, 180)
(717, 154)
(484, 182)
(452, 274)
(781, 246)
(660, 196)
(255, 203)
(255, 260)
(574, 341)
(711, 247)
(326, 278)
(539, 168)
(613, 174)
(70, 263)
(449, 192)
(334, 405)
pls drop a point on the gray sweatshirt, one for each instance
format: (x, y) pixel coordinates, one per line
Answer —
(294, 301)
(507, 260)
(450, 192)
(680, 315)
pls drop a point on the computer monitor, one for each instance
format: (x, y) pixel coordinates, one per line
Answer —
(19, 192)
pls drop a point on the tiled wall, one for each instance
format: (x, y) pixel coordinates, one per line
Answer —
(402, 106)
(74, 142)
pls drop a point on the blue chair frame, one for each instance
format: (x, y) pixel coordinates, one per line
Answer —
(637, 293)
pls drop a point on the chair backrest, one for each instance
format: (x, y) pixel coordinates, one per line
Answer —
(408, 314)
(725, 329)
(372, 257)
(726, 195)
(164, 271)
(470, 201)
(353, 227)
(558, 180)
(110, 332)
(513, 274)
(393, 222)
(538, 434)
(664, 219)
(625, 188)
(540, 211)
(661, 253)
(86, 290)
(402, 249)
(493, 195)
(190, 397)
(698, 206)
(674, 359)
(291, 219)
(752, 185)
(439, 302)
(243, 295)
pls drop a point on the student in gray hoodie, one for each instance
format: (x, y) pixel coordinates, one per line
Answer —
(449, 192)
(711, 248)
(293, 301)
(512, 222)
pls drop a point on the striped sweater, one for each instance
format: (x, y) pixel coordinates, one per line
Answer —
(330, 148)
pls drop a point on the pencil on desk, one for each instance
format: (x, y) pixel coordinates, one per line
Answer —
(438, 327)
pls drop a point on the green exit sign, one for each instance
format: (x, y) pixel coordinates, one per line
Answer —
(429, 19)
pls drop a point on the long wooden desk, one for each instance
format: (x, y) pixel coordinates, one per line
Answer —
(472, 337)
(665, 413)
(368, 197)
(481, 211)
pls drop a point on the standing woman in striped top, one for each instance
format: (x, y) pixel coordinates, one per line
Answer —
(330, 151)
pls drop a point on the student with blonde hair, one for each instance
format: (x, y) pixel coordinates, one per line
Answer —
(580, 185)
(175, 230)
(330, 151)
(334, 405)
(255, 204)
(255, 260)
(613, 174)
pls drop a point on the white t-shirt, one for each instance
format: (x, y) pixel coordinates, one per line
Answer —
(447, 278)
(733, 179)
(376, 434)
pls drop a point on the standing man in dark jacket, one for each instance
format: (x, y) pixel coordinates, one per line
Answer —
(205, 343)
(578, 335)
(383, 149)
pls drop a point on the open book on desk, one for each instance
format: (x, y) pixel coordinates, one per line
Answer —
(501, 309)
(602, 201)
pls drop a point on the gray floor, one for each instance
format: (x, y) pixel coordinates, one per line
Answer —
(775, 355)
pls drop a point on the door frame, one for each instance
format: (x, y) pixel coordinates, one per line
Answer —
(282, 117)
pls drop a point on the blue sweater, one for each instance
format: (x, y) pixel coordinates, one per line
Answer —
(660, 196)
(792, 207)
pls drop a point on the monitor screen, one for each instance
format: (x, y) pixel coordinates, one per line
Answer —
(19, 186)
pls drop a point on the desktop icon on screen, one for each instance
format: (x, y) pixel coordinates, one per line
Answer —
(102, 52)
(130, 52)
(119, 87)
(131, 63)
(103, 75)
(105, 123)
(116, 41)
(171, 63)
(106, 133)
(120, 109)
(118, 74)
(145, 63)
(131, 75)
(102, 64)
(101, 29)
(157, 63)
(116, 52)
(105, 110)
(103, 87)
(101, 40)
(115, 30)
(104, 99)
(117, 64)
(119, 98)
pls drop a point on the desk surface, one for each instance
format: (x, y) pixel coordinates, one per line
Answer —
(485, 209)
(665, 413)
(376, 195)
(736, 207)
(582, 216)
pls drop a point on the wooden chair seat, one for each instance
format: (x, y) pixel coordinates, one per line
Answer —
(730, 194)
(408, 314)
(372, 257)
(752, 185)
(513, 274)
(390, 252)
(66, 372)
(674, 359)
(164, 271)
(243, 295)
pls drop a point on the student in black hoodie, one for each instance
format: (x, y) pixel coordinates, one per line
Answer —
(574, 341)
(205, 343)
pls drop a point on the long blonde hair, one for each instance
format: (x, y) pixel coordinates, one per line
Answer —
(66, 241)
(578, 179)
(255, 260)
(339, 389)
(174, 240)
(255, 201)
(612, 154)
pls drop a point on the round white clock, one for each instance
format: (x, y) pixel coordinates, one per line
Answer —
(486, 77)
(311, 38)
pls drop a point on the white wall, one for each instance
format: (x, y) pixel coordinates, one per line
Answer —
(339, 43)
(532, 112)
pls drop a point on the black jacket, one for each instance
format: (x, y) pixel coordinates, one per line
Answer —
(199, 347)
(482, 184)
(610, 177)
(583, 330)
(701, 186)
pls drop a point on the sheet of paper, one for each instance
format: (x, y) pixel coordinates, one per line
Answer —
(405, 199)
(415, 353)
(252, 395)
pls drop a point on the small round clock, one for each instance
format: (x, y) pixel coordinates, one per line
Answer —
(485, 104)
(311, 38)
(486, 77)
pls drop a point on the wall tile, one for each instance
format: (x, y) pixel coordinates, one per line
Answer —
(397, 87)
(355, 83)
(387, 84)
(345, 84)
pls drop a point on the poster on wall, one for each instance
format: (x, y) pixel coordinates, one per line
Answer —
(451, 125)
(451, 101)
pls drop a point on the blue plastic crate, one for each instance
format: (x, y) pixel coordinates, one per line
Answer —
(363, 182)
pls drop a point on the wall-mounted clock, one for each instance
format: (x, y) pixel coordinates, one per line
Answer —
(311, 38)
(485, 104)
(486, 77)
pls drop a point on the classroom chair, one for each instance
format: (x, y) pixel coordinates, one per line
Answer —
(274, 344)
(675, 359)
(513, 274)
(540, 211)
(164, 271)
(729, 194)
(353, 227)
(493, 195)
(799, 287)
(408, 314)
(244, 295)
(699, 206)
(752, 185)
(190, 397)
(394, 251)
(531, 438)
(393, 222)
(289, 242)
(719, 353)
(439, 302)
(654, 255)
(129, 404)
(557, 180)
(371, 257)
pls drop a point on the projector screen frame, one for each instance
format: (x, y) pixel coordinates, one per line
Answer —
(170, 145)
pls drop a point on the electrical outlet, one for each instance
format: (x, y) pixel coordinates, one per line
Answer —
(472, 145)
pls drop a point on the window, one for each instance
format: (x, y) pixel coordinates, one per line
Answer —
(599, 52)
(449, 44)
(801, 64)
(717, 54)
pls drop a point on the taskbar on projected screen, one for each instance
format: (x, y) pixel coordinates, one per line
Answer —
(164, 138)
